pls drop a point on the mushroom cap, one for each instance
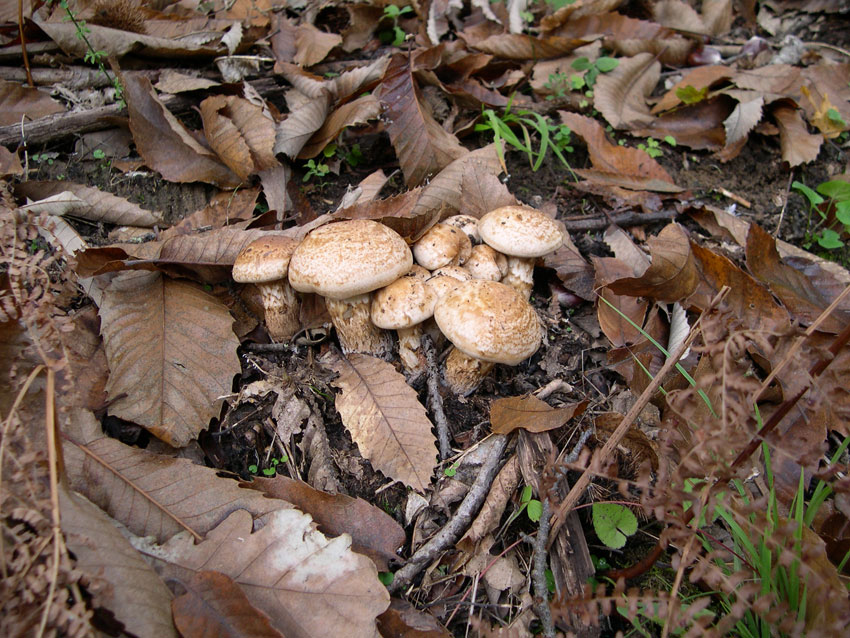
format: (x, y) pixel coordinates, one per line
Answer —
(467, 223)
(521, 231)
(489, 321)
(440, 246)
(404, 303)
(486, 262)
(447, 278)
(349, 258)
(263, 260)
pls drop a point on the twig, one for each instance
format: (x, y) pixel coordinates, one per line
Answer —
(435, 399)
(53, 460)
(584, 480)
(538, 574)
(623, 219)
(458, 523)
(24, 42)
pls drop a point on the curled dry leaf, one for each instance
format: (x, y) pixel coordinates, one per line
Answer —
(293, 132)
(403, 620)
(352, 113)
(312, 45)
(614, 324)
(385, 419)
(576, 10)
(214, 605)
(171, 351)
(120, 579)
(151, 494)
(671, 276)
(530, 413)
(702, 77)
(573, 271)
(744, 117)
(697, 126)
(165, 144)
(423, 147)
(798, 145)
(306, 584)
(9, 163)
(68, 198)
(519, 46)
(397, 212)
(242, 133)
(621, 94)
(19, 103)
(373, 532)
(482, 191)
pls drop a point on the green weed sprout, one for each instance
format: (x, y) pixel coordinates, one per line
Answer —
(829, 197)
(397, 36)
(613, 523)
(652, 147)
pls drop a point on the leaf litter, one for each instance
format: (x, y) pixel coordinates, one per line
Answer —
(159, 343)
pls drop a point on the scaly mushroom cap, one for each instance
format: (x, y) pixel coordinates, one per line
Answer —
(349, 258)
(442, 245)
(489, 321)
(404, 303)
(468, 224)
(486, 263)
(264, 259)
(520, 231)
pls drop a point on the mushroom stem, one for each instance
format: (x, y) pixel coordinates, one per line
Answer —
(354, 327)
(464, 373)
(409, 348)
(282, 309)
(520, 275)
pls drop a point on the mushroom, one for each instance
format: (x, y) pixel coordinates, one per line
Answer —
(488, 323)
(523, 234)
(344, 262)
(442, 245)
(403, 306)
(446, 278)
(468, 224)
(486, 263)
(265, 262)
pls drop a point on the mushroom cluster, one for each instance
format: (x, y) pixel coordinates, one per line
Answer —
(476, 292)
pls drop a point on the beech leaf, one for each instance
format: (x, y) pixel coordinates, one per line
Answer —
(171, 352)
(797, 144)
(385, 419)
(213, 605)
(621, 94)
(742, 120)
(423, 147)
(302, 123)
(19, 102)
(531, 414)
(307, 585)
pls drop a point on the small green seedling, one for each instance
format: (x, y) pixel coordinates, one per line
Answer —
(653, 146)
(271, 470)
(831, 197)
(396, 36)
(98, 154)
(354, 156)
(315, 170)
(591, 71)
(451, 470)
(613, 523)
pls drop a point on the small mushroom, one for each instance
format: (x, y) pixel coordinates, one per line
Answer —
(265, 262)
(486, 263)
(442, 245)
(523, 234)
(488, 323)
(403, 306)
(468, 224)
(344, 262)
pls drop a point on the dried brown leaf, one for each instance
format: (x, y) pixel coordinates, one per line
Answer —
(312, 45)
(621, 94)
(22, 103)
(743, 118)
(671, 276)
(9, 163)
(698, 126)
(675, 14)
(120, 579)
(403, 620)
(423, 147)
(294, 132)
(699, 78)
(359, 111)
(171, 351)
(576, 10)
(482, 191)
(397, 212)
(373, 532)
(151, 494)
(531, 414)
(615, 326)
(520, 46)
(306, 584)
(78, 200)
(214, 605)
(573, 271)
(385, 419)
(635, 441)
(165, 144)
(797, 144)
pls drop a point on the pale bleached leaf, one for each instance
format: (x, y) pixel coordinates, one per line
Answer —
(679, 328)
(621, 94)
(171, 351)
(743, 119)
(313, 45)
(307, 585)
(295, 130)
(352, 113)
(385, 419)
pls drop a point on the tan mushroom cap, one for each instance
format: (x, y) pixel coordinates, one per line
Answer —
(489, 321)
(442, 245)
(264, 259)
(405, 302)
(520, 231)
(467, 223)
(349, 258)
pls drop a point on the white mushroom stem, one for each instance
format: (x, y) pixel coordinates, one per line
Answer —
(520, 275)
(410, 348)
(282, 309)
(354, 327)
(464, 373)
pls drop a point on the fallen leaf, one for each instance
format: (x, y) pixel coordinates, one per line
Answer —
(520, 46)
(614, 324)
(373, 532)
(10, 164)
(671, 276)
(214, 605)
(306, 584)
(20, 103)
(312, 45)
(77, 200)
(165, 144)
(635, 441)
(423, 147)
(359, 111)
(699, 78)
(120, 580)
(294, 132)
(403, 620)
(743, 119)
(531, 414)
(482, 191)
(698, 126)
(573, 271)
(675, 14)
(171, 351)
(242, 133)
(151, 494)
(798, 145)
(621, 94)
(385, 419)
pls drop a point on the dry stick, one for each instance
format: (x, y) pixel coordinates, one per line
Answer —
(435, 400)
(24, 42)
(624, 219)
(584, 480)
(458, 523)
(538, 574)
